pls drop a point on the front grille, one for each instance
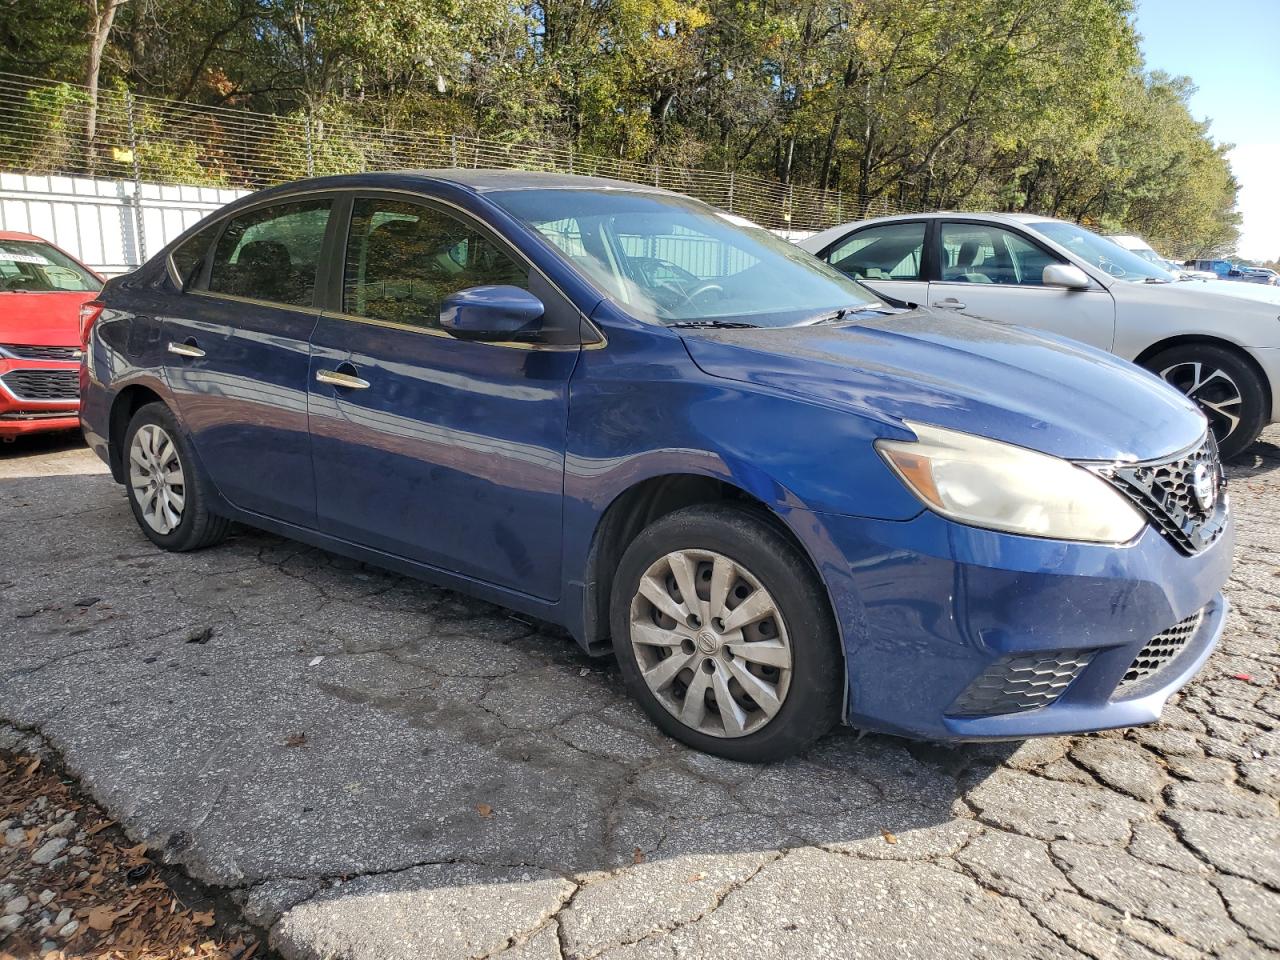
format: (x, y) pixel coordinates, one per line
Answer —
(43, 385)
(1165, 491)
(1162, 648)
(40, 353)
(1023, 682)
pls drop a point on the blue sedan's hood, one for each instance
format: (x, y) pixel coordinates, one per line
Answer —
(991, 379)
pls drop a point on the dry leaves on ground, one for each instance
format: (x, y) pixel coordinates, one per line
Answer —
(99, 897)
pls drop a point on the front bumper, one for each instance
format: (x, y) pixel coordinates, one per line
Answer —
(928, 608)
(1269, 359)
(25, 405)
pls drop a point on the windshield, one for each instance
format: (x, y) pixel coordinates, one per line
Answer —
(1110, 256)
(29, 266)
(672, 260)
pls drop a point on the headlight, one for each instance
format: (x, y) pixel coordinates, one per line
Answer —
(985, 483)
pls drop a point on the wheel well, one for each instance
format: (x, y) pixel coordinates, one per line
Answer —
(629, 514)
(1189, 339)
(127, 402)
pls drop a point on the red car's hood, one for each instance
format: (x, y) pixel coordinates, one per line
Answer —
(42, 319)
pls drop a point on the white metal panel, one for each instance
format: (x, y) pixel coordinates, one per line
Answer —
(98, 221)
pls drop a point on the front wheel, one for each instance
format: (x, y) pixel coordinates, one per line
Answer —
(169, 499)
(1223, 384)
(724, 634)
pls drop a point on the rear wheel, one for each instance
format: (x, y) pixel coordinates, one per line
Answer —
(1223, 384)
(169, 499)
(724, 635)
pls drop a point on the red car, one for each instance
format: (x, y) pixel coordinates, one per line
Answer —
(43, 292)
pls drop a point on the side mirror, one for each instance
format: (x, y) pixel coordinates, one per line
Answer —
(1065, 275)
(491, 313)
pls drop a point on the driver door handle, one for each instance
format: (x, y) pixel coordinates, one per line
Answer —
(187, 349)
(950, 303)
(345, 381)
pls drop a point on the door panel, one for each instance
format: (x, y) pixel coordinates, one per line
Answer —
(453, 454)
(238, 366)
(993, 273)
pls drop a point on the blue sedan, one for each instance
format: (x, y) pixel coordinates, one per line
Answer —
(779, 499)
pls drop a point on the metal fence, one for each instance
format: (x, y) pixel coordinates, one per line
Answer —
(150, 140)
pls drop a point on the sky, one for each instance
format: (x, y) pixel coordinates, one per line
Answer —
(1231, 51)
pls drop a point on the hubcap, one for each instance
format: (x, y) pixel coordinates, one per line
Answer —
(1214, 392)
(711, 643)
(156, 478)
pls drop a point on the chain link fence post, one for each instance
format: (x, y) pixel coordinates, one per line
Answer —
(140, 233)
(311, 157)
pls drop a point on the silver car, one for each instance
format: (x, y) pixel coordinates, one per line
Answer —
(1220, 350)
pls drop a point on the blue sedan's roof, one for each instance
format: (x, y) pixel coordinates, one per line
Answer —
(486, 181)
(473, 181)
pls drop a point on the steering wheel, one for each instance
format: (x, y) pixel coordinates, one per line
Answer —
(698, 291)
(18, 283)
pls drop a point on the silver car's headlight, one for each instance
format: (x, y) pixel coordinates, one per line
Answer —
(985, 483)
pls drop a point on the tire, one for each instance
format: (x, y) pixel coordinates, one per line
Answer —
(1226, 387)
(734, 552)
(154, 437)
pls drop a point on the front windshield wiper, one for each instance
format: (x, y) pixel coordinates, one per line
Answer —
(713, 324)
(1154, 280)
(848, 313)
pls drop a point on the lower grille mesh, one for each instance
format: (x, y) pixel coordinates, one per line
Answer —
(1024, 682)
(1162, 648)
(43, 384)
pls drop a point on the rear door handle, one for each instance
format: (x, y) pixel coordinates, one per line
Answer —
(187, 349)
(950, 303)
(346, 381)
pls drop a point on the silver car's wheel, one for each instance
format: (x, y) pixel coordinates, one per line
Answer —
(156, 478)
(711, 643)
(1213, 390)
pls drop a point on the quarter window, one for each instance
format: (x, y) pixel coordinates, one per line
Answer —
(982, 253)
(272, 253)
(893, 251)
(403, 259)
(189, 257)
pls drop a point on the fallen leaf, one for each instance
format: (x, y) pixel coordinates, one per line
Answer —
(296, 740)
(1243, 676)
(203, 919)
(888, 837)
(484, 810)
(102, 919)
(697, 877)
(637, 855)
(316, 661)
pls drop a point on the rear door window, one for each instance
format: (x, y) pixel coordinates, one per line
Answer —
(272, 253)
(892, 251)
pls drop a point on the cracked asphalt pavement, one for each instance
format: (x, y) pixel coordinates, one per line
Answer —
(380, 769)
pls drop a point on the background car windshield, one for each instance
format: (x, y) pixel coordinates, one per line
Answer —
(673, 260)
(1103, 253)
(27, 266)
